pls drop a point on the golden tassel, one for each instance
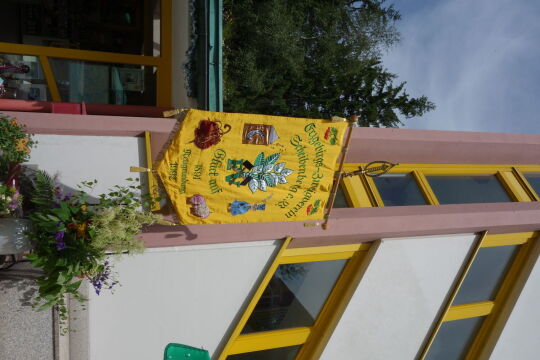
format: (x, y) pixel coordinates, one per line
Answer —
(139, 169)
(171, 113)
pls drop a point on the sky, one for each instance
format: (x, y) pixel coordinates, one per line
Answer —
(477, 60)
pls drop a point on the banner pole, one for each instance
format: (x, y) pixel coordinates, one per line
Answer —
(337, 177)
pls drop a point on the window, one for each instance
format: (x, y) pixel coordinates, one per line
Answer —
(94, 51)
(453, 339)
(485, 275)
(294, 296)
(534, 180)
(466, 189)
(478, 300)
(399, 190)
(434, 184)
(286, 353)
(295, 301)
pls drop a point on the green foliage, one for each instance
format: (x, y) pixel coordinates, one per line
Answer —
(15, 143)
(314, 58)
(72, 237)
(115, 228)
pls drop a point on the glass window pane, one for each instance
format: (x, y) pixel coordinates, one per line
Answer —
(486, 273)
(129, 27)
(534, 181)
(21, 77)
(295, 296)
(466, 189)
(286, 353)
(454, 339)
(399, 190)
(101, 83)
(341, 200)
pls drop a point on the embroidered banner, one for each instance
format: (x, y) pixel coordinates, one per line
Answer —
(232, 168)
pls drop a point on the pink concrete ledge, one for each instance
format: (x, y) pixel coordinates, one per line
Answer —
(97, 125)
(362, 225)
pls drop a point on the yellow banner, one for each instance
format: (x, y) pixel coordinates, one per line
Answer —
(233, 168)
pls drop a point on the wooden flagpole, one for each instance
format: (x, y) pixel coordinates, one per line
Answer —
(339, 174)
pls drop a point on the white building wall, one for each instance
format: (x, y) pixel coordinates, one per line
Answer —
(82, 158)
(190, 295)
(398, 298)
(519, 337)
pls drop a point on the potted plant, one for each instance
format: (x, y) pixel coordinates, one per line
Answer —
(74, 237)
(13, 237)
(15, 145)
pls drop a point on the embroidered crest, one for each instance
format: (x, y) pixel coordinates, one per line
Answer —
(262, 174)
(209, 133)
(198, 206)
(259, 134)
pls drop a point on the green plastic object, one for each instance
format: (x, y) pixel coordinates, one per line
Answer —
(184, 352)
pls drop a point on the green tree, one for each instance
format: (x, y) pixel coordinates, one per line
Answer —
(314, 58)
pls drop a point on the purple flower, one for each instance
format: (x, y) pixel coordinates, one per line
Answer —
(59, 236)
(13, 205)
(67, 197)
(105, 279)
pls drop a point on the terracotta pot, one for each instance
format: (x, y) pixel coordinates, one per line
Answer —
(13, 238)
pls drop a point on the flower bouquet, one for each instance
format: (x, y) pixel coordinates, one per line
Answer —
(73, 236)
(15, 144)
(10, 201)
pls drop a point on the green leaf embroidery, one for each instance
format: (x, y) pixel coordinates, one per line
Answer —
(269, 180)
(272, 159)
(259, 159)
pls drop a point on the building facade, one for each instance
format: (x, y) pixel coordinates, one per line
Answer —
(435, 260)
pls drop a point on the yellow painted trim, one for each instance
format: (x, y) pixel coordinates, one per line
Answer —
(454, 169)
(506, 298)
(355, 192)
(153, 189)
(75, 54)
(164, 71)
(528, 168)
(317, 257)
(512, 186)
(337, 303)
(269, 340)
(255, 298)
(425, 188)
(525, 183)
(452, 296)
(466, 311)
(375, 196)
(326, 249)
(49, 76)
(508, 239)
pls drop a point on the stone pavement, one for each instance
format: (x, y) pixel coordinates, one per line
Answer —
(24, 333)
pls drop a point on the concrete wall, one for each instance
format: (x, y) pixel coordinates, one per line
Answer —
(398, 298)
(189, 295)
(81, 158)
(520, 335)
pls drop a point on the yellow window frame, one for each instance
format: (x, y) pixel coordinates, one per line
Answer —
(498, 310)
(361, 191)
(519, 173)
(162, 63)
(314, 338)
